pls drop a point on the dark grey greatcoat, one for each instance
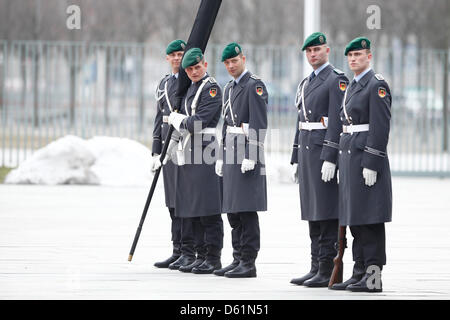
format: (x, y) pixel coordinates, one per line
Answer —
(199, 191)
(323, 97)
(368, 102)
(166, 90)
(243, 192)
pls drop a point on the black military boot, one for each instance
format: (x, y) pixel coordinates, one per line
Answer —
(167, 262)
(322, 278)
(175, 255)
(183, 260)
(245, 269)
(358, 273)
(189, 267)
(221, 272)
(363, 286)
(309, 275)
(208, 266)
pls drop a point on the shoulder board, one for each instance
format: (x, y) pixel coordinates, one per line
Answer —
(212, 80)
(164, 79)
(336, 70)
(254, 76)
(379, 77)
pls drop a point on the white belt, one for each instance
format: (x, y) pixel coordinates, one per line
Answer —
(166, 119)
(208, 131)
(238, 130)
(355, 128)
(311, 126)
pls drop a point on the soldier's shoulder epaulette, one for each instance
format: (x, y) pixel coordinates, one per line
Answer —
(162, 80)
(212, 80)
(379, 77)
(166, 77)
(338, 71)
(305, 79)
(255, 77)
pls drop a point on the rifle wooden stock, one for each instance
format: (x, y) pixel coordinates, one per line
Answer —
(338, 269)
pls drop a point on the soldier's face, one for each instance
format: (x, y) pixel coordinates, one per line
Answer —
(359, 60)
(317, 55)
(235, 66)
(196, 72)
(174, 60)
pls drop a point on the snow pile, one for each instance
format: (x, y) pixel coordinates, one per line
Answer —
(107, 161)
(99, 161)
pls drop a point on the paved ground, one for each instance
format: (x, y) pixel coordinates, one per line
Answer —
(72, 242)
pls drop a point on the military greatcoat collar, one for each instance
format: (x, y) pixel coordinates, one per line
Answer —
(322, 76)
(360, 84)
(237, 89)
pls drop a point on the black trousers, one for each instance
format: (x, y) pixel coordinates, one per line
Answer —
(204, 237)
(369, 244)
(324, 235)
(176, 230)
(245, 235)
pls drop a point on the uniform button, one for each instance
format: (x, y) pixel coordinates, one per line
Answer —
(307, 147)
(342, 119)
(341, 134)
(162, 125)
(163, 141)
(224, 148)
(190, 149)
(309, 111)
(349, 151)
(340, 151)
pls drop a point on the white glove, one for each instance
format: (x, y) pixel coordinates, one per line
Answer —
(328, 169)
(219, 165)
(294, 175)
(175, 120)
(247, 165)
(156, 163)
(370, 176)
(173, 144)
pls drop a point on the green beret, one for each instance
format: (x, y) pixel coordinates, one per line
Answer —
(175, 45)
(192, 57)
(232, 50)
(316, 39)
(357, 44)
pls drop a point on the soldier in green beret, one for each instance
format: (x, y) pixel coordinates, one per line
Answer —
(365, 190)
(165, 90)
(315, 155)
(198, 196)
(241, 161)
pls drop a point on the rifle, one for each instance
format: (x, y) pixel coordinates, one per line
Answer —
(338, 269)
(201, 30)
